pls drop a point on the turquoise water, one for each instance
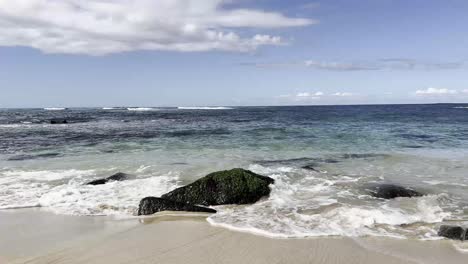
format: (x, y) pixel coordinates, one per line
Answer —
(350, 147)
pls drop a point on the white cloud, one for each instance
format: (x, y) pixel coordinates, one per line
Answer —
(100, 26)
(303, 94)
(342, 94)
(436, 91)
(307, 94)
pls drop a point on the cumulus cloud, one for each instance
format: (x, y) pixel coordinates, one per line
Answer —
(99, 27)
(436, 91)
(342, 94)
(303, 94)
(307, 94)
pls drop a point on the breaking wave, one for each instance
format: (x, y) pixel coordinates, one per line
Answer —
(204, 108)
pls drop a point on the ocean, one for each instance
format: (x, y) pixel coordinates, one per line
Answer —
(349, 148)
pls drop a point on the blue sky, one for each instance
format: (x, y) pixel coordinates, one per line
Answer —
(237, 52)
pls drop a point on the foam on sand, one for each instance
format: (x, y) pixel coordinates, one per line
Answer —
(182, 239)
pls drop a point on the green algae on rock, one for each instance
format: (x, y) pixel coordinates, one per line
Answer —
(236, 186)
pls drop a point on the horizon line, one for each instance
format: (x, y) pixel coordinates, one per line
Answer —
(298, 105)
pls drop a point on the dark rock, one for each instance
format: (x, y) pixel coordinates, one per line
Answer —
(151, 205)
(309, 167)
(119, 176)
(390, 191)
(98, 182)
(328, 161)
(296, 161)
(453, 232)
(283, 161)
(412, 146)
(116, 177)
(58, 121)
(363, 156)
(236, 186)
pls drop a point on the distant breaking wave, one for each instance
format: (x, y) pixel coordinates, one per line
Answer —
(461, 107)
(55, 108)
(203, 108)
(141, 109)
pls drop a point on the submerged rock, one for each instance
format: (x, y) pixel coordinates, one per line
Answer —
(29, 157)
(363, 156)
(453, 232)
(390, 191)
(58, 121)
(120, 176)
(236, 186)
(309, 167)
(151, 205)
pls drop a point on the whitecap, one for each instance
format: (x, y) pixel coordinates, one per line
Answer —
(141, 109)
(204, 108)
(55, 108)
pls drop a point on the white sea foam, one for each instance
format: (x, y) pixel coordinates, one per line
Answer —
(55, 108)
(141, 109)
(461, 247)
(45, 175)
(65, 192)
(110, 108)
(301, 204)
(204, 108)
(19, 188)
(113, 198)
(313, 206)
(461, 107)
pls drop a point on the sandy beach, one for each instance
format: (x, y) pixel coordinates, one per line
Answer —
(233, 132)
(35, 236)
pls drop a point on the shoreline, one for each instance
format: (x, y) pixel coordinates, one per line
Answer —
(37, 236)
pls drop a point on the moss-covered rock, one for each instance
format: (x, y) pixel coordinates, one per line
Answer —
(236, 186)
(151, 205)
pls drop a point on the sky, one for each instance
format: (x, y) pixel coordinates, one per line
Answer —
(100, 53)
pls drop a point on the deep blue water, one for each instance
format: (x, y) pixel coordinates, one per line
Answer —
(380, 127)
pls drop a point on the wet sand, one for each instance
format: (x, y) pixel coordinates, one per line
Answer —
(34, 236)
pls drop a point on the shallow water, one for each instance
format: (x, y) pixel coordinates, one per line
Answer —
(348, 147)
